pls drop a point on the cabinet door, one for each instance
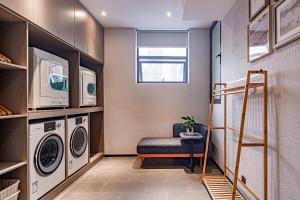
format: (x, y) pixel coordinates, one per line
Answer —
(92, 33)
(95, 40)
(100, 43)
(81, 27)
(66, 21)
(22, 7)
(46, 14)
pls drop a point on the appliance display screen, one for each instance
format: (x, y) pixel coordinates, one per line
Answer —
(49, 126)
(78, 120)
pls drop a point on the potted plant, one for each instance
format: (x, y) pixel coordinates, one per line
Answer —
(189, 123)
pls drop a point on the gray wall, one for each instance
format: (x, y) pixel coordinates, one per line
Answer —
(283, 108)
(134, 111)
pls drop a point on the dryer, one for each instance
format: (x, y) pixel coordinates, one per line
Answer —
(46, 156)
(48, 80)
(77, 143)
(87, 87)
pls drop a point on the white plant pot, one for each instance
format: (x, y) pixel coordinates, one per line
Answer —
(189, 132)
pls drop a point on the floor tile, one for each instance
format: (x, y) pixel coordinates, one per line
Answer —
(86, 188)
(125, 187)
(120, 178)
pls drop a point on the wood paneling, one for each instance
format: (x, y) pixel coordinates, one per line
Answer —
(22, 7)
(66, 21)
(95, 39)
(81, 26)
(46, 14)
(100, 43)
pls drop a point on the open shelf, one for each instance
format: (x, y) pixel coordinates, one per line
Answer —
(13, 140)
(41, 114)
(11, 66)
(6, 167)
(13, 39)
(13, 91)
(13, 116)
(19, 173)
(96, 135)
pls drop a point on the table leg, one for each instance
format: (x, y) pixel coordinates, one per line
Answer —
(192, 155)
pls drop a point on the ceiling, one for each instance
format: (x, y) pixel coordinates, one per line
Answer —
(152, 14)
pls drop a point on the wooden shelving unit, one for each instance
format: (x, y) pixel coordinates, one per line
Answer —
(10, 66)
(42, 114)
(13, 116)
(220, 187)
(16, 36)
(6, 167)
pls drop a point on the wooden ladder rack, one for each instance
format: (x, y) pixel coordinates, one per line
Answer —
(220, 187)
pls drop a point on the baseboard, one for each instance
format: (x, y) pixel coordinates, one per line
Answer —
(120, 155)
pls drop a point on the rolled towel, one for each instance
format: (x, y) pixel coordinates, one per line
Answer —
(8, 112)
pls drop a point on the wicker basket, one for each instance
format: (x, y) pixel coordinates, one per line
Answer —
(14, 196)
(9, 189)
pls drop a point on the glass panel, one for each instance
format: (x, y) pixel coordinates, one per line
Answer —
(91, 88)
(175, 52)
(162, 72)
(49, 153)
(58, 82)
(79, 142)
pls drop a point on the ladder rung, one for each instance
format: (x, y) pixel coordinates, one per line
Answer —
(216, 128)
(253, 144)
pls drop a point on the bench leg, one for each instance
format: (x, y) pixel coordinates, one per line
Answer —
(201, 163)
(142, 162)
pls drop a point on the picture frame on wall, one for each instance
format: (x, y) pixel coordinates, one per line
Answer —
(287, 22)
(256, 6)
(260, 36)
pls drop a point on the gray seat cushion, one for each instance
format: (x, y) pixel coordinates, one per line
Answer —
(163, 145)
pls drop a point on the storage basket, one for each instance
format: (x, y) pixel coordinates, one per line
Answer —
(9, 189)
(14, 196)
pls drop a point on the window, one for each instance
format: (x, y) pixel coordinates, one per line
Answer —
(159, 62)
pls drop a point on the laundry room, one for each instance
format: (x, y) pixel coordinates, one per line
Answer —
(149, 99)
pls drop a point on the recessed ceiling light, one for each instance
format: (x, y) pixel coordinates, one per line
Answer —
(169, 14)
(103, 13)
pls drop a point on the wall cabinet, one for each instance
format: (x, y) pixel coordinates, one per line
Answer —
(66, 21)
(81, 27)
(96, 40)
(22, 7)
(46, 14)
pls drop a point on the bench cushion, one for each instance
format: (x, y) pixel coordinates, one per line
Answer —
(167, 145)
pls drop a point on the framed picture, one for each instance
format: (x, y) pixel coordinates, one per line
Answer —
(287, 22)
(259, 36)
(255, 6)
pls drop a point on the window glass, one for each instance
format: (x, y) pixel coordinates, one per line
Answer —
(162, 65)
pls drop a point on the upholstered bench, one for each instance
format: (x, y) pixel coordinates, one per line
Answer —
(172, 147)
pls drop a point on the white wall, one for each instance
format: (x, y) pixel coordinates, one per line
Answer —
(134, 111)
(283, 108)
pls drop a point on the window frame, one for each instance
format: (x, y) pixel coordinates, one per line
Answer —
(185, 65)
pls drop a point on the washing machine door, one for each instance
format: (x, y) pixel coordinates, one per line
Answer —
(78, 141)
(49, 154)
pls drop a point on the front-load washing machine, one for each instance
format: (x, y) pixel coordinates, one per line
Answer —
(46, 156)
(77, 143)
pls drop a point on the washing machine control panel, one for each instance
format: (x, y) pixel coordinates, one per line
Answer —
(49, 126)
(80, 120)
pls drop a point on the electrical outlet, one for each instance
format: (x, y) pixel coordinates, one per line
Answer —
(244, 179)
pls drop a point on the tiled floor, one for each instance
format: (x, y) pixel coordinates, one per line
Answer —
(120, 178)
